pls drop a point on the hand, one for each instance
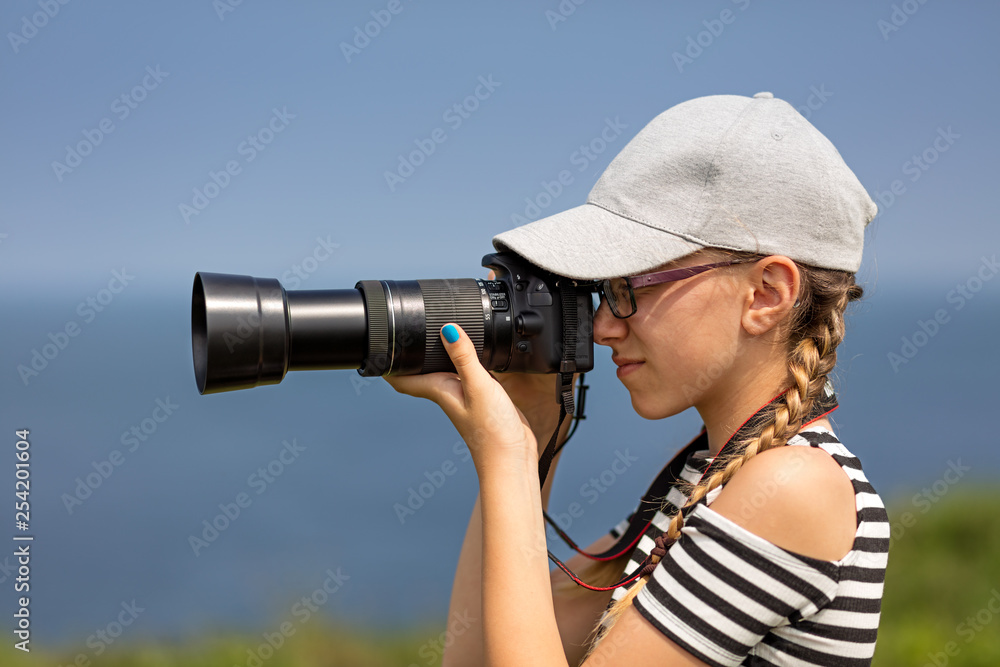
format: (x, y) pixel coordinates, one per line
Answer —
(534, 394)
(492, 427)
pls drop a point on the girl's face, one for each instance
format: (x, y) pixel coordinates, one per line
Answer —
(684, 340)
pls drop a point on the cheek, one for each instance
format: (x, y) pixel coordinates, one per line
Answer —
(688, 352)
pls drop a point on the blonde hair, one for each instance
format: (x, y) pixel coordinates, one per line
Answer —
(814, 330)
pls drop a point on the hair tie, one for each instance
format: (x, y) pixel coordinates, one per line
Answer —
(660, 550)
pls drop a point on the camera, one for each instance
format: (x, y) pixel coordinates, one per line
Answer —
(248, 331)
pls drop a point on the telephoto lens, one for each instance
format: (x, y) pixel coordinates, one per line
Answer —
(248, 331)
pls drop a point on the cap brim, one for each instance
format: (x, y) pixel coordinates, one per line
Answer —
(589, 242)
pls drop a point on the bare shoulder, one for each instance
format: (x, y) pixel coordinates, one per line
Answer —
(797, 497)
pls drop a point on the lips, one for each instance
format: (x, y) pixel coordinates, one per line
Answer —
(626, 366)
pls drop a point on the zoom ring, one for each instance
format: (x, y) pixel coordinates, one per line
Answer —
(377, 359)
(446, 301)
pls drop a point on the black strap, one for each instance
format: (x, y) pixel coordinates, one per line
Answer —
(641, 519)
(546, 459)
(581, 407)
(567, 367)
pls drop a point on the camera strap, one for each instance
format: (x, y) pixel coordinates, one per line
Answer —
(670, 476)
(567, 367)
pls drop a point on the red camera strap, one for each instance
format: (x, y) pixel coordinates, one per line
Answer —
(669, 476)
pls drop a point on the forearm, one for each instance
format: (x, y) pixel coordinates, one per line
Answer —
(519, 623)
(465, 607)
(466, 598)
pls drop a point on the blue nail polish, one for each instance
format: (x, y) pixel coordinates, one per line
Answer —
(450, 333)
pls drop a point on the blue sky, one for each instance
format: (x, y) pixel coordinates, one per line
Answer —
(884, 97)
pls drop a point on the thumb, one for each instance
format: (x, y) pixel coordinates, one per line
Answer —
(462, 352)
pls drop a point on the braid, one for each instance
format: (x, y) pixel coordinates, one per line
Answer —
(814, 331)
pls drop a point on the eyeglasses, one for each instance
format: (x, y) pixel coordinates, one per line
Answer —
(619, 294)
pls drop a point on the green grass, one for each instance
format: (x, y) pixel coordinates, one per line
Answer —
(943, 568)
(318, 644)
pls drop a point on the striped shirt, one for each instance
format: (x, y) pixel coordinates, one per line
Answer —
(730, 597)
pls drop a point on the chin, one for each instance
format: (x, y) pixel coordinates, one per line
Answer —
(652, 409)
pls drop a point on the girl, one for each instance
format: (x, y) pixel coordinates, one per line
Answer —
(723, 240)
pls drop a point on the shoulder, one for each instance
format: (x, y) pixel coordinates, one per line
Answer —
(798, 497)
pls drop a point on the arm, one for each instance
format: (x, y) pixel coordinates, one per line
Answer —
(519, 623)
(518, 615)
(577, 613)
(466, 591)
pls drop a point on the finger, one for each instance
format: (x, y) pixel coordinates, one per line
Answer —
(491, 275)
(463, 354)
(422, 386)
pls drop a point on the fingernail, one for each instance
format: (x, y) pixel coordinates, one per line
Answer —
(450, 333)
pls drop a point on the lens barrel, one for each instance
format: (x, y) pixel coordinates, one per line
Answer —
(247, 331)
(405, 316)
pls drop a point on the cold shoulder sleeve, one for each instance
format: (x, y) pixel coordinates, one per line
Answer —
(720, 588)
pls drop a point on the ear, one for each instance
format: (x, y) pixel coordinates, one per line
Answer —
(772, 287)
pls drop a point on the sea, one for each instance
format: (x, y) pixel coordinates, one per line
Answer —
(225, 512)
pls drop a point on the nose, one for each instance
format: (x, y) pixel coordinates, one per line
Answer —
(607, 327)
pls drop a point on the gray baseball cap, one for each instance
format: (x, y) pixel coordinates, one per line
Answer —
(723, 171)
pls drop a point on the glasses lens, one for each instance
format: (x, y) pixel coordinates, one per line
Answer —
(619, 296)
